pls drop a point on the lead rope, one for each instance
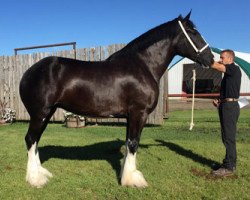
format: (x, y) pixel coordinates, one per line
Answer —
(192, 115)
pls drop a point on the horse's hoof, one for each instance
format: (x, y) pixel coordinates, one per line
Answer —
(39, 179)
(135, 179)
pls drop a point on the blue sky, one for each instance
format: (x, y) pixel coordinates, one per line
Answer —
(224, 23)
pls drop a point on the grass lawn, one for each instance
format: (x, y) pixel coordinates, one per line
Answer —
(86, 162)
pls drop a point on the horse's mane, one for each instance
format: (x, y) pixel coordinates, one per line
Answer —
(168, 29)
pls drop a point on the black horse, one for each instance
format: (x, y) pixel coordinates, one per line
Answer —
(124, 85)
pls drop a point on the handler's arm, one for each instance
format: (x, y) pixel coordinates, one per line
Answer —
(218, 66)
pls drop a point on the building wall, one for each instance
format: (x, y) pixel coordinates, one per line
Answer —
(245, 81)
(175, 77)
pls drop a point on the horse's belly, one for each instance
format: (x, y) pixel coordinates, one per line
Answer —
(94, 105)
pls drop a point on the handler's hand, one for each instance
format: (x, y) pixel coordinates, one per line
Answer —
(216, 102)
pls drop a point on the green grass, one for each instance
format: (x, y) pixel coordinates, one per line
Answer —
(86, 162)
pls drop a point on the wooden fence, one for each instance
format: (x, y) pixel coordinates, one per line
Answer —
(13, 67)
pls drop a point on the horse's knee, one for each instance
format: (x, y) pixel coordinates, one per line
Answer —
(133, 145)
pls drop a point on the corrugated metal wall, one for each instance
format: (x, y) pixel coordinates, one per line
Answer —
(175, 77)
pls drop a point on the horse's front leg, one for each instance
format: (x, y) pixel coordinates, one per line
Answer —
(130, 176)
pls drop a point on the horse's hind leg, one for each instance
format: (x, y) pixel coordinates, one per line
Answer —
(130, 176)
(36, 175)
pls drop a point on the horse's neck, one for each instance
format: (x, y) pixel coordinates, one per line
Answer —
(157, 57)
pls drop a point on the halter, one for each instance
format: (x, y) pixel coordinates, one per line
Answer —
(191, 42)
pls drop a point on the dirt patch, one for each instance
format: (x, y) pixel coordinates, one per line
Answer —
(186, 104)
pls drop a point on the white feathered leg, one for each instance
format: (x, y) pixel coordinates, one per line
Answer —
(36, 175)
(130, 176)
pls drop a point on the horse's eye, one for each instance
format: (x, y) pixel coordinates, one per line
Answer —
(194, 31)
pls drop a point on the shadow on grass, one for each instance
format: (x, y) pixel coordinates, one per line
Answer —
(109, 151)
(189, 154)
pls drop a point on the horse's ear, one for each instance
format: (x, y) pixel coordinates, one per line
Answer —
(188, 16)
(180, 18)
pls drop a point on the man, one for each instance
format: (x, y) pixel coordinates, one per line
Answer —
(229, 110)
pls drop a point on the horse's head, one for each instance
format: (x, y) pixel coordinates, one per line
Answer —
(190, 43)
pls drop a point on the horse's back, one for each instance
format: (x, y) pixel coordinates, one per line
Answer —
(48, 69)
